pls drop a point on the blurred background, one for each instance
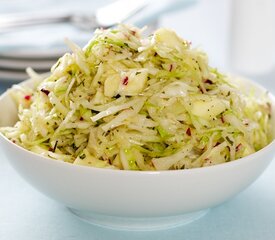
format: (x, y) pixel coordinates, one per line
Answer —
(238, 35)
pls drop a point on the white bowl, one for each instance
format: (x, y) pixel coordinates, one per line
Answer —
(133, 199)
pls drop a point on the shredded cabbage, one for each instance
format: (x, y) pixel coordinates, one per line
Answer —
(139, 103)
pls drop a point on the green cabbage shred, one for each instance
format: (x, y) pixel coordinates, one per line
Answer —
(130, 102)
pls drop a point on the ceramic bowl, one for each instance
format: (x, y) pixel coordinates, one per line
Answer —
(134, 200)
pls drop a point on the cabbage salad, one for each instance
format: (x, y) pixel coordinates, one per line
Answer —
(130, 102)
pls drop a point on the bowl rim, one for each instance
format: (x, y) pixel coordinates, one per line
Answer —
(233, 163)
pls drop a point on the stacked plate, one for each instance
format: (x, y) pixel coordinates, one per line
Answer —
(13, 66)
(39, 46)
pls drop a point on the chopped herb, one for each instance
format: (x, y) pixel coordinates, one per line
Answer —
(55, 146)
(116, 96)
(208, 81)
(229, 140)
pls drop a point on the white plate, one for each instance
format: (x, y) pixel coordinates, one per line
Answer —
(32, 54)
(16, 64)
(12, 76)
(44, 40)
(9, 76)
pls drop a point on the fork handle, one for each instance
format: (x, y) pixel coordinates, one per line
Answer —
(14, 21)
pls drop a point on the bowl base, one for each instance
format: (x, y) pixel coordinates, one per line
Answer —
(138, 224)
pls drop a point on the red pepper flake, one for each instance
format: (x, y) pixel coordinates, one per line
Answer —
(217, 144)
(238, 147)
(81, 119)
(28, 97)
(125, 81)
(133, 32)
(45, 91)
(222, 119)
(208, 81)
(155, 54)
(13, 141)
(201, 89)
(188, 132)
(171, 67)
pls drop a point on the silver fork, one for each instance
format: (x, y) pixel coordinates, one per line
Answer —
(107, 16)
